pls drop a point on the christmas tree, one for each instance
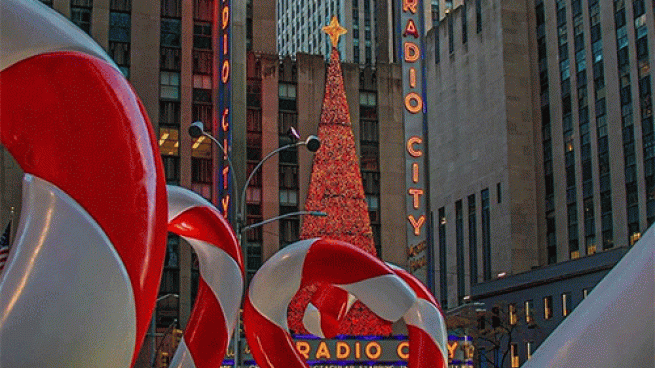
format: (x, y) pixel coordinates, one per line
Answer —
(336, 189)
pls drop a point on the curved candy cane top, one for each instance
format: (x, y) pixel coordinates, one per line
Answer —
(426, 325)
(80, 133)
(307, 262)
(221, 281)
(425, 322)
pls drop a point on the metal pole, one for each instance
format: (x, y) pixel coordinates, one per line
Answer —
(237, 335)
(153, 343)
(312, 143)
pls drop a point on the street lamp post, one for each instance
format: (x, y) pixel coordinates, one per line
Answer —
(153, 335)
(312, 143)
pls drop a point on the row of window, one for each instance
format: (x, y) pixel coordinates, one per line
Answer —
(472, 225)
(529, 314)
(529, 311)
(450, 23)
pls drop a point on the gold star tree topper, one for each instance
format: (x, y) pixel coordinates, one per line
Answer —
(334, 30)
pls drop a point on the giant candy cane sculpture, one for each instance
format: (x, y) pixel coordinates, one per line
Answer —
(360, 274)
(221, 279)
(80, 283)
(425, 321)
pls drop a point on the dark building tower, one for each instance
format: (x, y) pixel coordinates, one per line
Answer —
(543, 122)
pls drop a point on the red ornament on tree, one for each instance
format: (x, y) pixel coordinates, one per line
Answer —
(336, 189)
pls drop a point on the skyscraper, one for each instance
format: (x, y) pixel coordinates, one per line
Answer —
(372, 28)
(543, 134)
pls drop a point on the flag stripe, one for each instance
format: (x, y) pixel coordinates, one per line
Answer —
(4, 246)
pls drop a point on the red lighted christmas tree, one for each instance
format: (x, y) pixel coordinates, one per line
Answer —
(336, 189)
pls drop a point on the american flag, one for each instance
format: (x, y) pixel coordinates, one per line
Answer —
(4, 246)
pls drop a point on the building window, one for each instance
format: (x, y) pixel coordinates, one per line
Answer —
(81, 14)
(451, 35)
(548, 307)
(566, 304)
(170, 85)
(287, 96)
(529, 348)
(119, 40)
(202, 10)
(529, 312)
(289, 231)
(459, 249)
(486, 234)
(120, 53)
(464, 22)
(443, 274)
(169, 142)
(550, 238)
(478, 16)
(253, 259)
(514, 355)
(171, 262)
(171, 31)
(512, 314)
(473, 240)
(171, 8)
(119, 27)
(202, 36)
(435, 13)
(201, 176)
(203, 113)
(169, 113)
(168, 308)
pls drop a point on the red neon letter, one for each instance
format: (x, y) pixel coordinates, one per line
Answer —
(416, 193)
(410, 146)
(410, 29)
(416, 224)
(410, 5)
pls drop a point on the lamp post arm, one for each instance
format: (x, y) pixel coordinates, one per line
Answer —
(229, 162)
(242, 208)
(290, 214)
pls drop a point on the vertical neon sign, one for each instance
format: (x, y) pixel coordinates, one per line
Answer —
(224, 129)
(411, 54)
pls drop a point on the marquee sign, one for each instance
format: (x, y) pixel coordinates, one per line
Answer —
(363, 352)
(411, 53)
(223, 76)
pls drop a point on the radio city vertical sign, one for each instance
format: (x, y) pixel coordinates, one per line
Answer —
(223, 130)
(411, 52)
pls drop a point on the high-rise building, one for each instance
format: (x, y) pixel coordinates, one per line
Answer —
(541, 148)
(541, 144)
(544, 119)
(372, 28)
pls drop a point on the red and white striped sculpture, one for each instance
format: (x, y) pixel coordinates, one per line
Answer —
(81, 280)
(426, 325)
(425, 320)
(220, 288)
(306, 262)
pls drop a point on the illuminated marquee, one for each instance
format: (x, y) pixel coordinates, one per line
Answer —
(411, 21)
(366, 352)
(224, 129)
